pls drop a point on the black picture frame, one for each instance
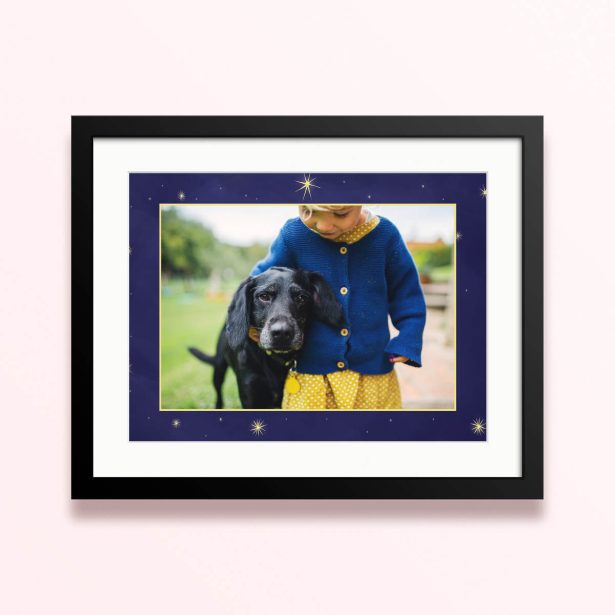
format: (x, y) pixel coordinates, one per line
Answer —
(529, 129)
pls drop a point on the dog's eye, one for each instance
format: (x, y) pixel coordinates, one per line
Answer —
(266, 297)
(301, 299)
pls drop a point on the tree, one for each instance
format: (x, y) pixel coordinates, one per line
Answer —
(186, 246)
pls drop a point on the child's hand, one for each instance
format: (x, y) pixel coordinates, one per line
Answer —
(396, 358)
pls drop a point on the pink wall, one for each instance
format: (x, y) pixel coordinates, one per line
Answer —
(530, 57)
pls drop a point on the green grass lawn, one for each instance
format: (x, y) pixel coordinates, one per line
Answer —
(190, 320)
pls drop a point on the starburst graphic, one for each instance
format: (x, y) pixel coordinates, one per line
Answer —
(176, 423)
(483, 191)
(258, 427)
(478, 426)
(181, 195)
(459, 236)
(306, 185)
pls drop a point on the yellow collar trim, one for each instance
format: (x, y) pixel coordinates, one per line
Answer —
(357, 233)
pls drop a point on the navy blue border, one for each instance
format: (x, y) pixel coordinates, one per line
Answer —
(466, 190)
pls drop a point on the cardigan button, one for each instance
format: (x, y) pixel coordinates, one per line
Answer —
(344, 290)
(343, 250)
(341, 364)
(344, 332)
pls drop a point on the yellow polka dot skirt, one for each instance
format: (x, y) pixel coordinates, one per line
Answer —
(344, 390)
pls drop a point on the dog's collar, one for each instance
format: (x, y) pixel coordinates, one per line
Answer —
(272, 352)
(254, 334)
(279, 355)
(288, 363)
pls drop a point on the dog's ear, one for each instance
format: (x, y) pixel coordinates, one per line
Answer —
(326, 306)
(239, 314)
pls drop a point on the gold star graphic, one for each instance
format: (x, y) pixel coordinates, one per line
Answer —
(258, 427)
(478, 426)
(483, 191)
(306, 185)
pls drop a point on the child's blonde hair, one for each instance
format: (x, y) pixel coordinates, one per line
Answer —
(305, 211)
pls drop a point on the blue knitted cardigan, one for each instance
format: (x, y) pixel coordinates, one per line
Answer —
(380, 277)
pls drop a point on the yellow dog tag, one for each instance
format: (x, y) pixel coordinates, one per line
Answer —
(292, 385)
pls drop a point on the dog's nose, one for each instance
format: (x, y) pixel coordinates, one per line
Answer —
(281, 332)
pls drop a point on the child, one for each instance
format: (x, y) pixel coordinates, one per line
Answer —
(365, 260)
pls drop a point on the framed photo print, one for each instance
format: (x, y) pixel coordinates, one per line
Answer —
(307, 307)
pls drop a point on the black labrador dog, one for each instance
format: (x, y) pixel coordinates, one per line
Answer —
(267, 320)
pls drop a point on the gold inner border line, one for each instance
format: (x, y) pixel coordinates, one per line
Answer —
(181, 204)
